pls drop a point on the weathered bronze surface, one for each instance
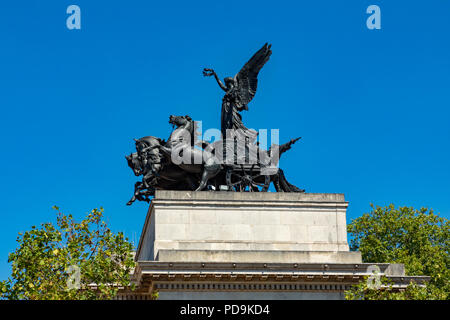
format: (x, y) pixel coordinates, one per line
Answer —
(235, 163)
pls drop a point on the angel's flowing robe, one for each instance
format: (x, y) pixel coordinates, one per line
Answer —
(231, 119)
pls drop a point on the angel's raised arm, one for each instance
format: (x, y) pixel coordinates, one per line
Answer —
(211, 72)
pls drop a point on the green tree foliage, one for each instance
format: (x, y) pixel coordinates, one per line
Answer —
(46, 263)
(419, 239)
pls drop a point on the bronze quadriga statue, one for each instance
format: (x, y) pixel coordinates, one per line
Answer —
(233, 163)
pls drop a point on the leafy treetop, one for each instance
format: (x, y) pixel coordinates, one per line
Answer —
(66, 261)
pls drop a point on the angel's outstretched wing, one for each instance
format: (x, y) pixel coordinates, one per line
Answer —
(247, 78)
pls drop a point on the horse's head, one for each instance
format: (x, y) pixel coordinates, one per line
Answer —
(179, 121)
(147, 157)
(134, 163)
(146, 142)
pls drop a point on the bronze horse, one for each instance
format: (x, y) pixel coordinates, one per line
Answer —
(178, 165)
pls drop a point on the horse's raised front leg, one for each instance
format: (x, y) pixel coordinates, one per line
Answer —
(137, 190)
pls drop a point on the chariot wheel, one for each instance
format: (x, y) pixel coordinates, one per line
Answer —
(250, 180)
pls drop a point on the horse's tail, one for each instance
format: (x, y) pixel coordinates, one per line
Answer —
(286, 146)
(285, 185)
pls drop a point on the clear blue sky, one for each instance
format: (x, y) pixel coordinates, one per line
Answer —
(372, 106)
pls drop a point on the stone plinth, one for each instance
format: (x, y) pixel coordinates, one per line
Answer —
(246, 227)
(229, 245)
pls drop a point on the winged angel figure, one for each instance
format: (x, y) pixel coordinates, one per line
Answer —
(239, 91)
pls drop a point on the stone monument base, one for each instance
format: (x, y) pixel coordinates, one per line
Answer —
(246, 227)
(231, 245)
